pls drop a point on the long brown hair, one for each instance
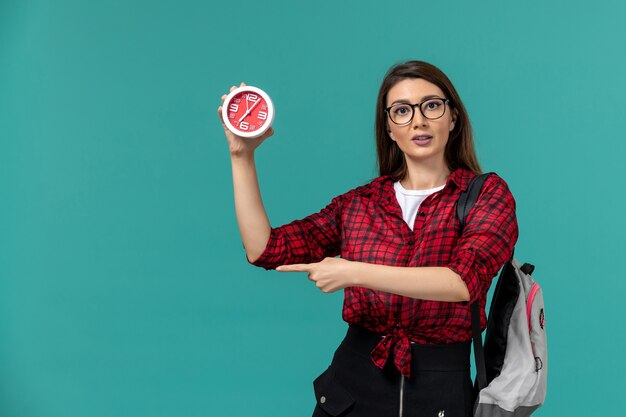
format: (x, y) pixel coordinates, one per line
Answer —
(460, 147)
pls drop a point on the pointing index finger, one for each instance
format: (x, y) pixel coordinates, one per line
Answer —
(293, 268)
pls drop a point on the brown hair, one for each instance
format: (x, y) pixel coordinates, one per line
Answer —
(460, 147)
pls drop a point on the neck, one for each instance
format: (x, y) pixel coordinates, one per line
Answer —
(423, 176)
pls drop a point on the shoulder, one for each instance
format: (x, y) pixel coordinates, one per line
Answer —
(371, 189)
(374, 189)
(374, 186)
(495, 190)
(496, 183)
(463, 177)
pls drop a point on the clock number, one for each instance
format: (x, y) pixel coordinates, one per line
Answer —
(262, 115)
(233, 108)
(252, 97)
(244, 125)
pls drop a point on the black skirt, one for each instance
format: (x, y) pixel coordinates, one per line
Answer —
(440, 384)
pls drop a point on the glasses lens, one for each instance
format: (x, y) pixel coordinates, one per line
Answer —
(433, 108)
(401, 113)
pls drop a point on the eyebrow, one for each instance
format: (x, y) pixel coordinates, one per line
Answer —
(405, 101)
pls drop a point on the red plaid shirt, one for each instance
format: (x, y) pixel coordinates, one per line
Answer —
(366, 225)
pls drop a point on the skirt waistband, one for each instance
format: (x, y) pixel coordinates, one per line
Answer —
(441, 357)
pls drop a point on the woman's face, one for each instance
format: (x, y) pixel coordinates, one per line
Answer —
(422, 140)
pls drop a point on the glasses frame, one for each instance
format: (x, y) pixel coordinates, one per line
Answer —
(445, 102)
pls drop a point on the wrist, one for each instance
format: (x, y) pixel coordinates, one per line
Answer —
(242, 157)
(356, 274)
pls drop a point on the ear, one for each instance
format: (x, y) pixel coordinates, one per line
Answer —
(453, 120)
(389, 133)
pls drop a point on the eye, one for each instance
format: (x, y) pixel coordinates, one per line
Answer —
(401, 110)
(432, 104)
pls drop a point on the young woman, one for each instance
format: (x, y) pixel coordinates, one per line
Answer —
(408, 272)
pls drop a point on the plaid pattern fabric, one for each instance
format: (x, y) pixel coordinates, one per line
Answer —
(366, 225)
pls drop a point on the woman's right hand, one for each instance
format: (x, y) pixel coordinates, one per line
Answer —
(241, 146)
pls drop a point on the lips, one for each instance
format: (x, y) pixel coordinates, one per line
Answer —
(421, 139)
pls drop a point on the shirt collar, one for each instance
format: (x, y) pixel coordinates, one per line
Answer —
(381, 188)
(461, 177)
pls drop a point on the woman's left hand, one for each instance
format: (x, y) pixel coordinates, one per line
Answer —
(329, 275)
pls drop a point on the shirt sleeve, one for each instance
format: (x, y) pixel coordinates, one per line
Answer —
(304, 241)
(488, 239)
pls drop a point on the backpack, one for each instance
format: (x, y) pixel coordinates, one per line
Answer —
(512, 369)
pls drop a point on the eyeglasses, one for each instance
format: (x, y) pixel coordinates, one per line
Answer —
(402, 113)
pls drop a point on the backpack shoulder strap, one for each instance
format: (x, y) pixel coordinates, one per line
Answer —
(469, 197)
(466, 202)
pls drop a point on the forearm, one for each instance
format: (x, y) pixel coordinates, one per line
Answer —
(425, 283)
(252, 219)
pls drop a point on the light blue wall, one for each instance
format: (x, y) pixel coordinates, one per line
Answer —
(124, 288)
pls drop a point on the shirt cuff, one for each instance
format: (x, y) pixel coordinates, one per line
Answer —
(270, 257)
(465, 266)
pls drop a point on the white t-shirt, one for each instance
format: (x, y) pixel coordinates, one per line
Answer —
(410, 200)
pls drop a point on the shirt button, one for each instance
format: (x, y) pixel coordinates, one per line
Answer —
(322, 399)
(421, 213)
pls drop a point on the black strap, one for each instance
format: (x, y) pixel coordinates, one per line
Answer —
(469, 197)
(479, 351)
(466, 202)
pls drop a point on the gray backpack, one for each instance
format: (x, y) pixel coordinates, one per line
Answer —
(512, 369)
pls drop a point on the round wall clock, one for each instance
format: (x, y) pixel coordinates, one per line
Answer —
(248, 112)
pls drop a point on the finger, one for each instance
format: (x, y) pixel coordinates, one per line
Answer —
(242, 84)
(326, 288)
(323, 287)
(294, 268)
(267, 134)
(219, 111)
(219, 114)
(234, 87)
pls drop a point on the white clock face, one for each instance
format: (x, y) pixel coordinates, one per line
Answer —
(248, 112)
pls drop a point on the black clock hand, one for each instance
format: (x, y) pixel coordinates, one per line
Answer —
(250, 110)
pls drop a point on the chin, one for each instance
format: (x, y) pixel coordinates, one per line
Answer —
(423, 156)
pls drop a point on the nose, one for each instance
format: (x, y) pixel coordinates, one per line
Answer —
(418, 119)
